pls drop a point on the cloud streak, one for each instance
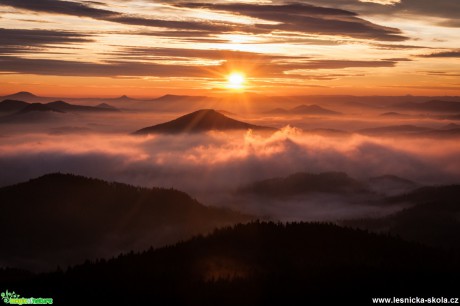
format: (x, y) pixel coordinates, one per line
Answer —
(29, 41)
(260, 66)
(306, 18)
(443, 54)
(290, 17)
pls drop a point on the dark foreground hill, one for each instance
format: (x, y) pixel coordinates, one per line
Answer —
(256, 264)
(201, 121)
(60, 219)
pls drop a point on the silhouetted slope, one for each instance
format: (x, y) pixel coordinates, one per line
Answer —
(259, 264)
(305, 183)
(59, 219)
(38, 107)
(433, 218)
(391, 185)
(201, 121)
(12, 105)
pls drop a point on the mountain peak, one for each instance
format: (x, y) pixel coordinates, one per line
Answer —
(105, 105)
(200, 121)
(60, 102)
(24, 93)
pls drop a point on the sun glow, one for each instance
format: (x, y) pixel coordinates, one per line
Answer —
(236, 80)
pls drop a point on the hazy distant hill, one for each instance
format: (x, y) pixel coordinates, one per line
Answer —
(328, 132)
(12, 106)
(305, 183)
(201, 121)
(331, 183)
(312, 110)
(258, 264)
(412, 131)
(25, 96)
(62, 219)
(176, 98)
(67, 107)
(305, 110)
(394, 130)
(34, 113)
(391, 185)
(431, 106)
(433, 219)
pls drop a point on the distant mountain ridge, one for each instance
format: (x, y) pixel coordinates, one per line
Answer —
(38, 107)
(305, 110)
(11, 106)
(431, 106)
(201, 121)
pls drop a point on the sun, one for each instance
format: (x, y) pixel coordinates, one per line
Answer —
(236, 80)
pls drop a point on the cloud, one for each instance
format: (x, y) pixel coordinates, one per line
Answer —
(447, 9)
(305, 18)
(294, 17)
(110, 69)
(256, 65)
(398, 47)
(27, 41)
(223, 161)
(341, 64)
(84, 10)
(210, 54)
(443, 54)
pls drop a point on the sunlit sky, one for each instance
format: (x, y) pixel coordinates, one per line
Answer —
(146, 48)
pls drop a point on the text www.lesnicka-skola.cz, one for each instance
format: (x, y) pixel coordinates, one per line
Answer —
(415, 300)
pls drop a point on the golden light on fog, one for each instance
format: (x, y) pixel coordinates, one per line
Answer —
(236, 80)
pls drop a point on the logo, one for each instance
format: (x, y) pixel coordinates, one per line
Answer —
(13, 298)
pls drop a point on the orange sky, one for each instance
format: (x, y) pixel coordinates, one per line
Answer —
(149, 48)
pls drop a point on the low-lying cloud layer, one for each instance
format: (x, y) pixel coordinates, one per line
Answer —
(212, 166)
